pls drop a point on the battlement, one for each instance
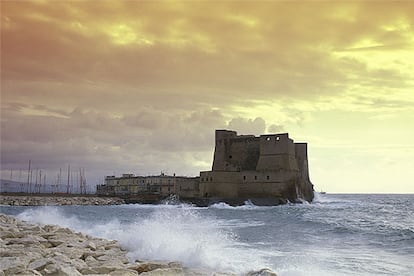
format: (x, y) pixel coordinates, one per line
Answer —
(247, 152)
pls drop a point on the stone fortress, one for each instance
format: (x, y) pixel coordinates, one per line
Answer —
(267, 170)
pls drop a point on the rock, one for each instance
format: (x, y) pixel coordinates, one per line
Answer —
(39, 264)
(64, 231)
(164, 272)
(28, 240)
(92, 246)
(89, 259)
(26, 249)
(50, 228)
(108, 266)
(13, 265)
(5, 234)
(58, 200)
(54, 242)
(88, 271)
(104, 269)
(59, 258)
(123, 272)
(110, 255)
(78, 264)
(67, 271)
(51, 269)
(175, 264)
(146, 266)
(262, 272)
(29, 273)
(111, 245)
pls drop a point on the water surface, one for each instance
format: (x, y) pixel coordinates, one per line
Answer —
(335, 235)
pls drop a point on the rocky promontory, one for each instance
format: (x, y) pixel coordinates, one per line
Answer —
(32, 200)
(28, 249)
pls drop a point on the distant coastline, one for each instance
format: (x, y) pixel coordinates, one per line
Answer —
(22, 199)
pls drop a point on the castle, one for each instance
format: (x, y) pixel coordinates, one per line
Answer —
(267, 170)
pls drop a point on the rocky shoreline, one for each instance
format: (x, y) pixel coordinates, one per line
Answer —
(29, 249)
(31, 200)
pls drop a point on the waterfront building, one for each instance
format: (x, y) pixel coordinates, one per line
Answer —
(269, 169)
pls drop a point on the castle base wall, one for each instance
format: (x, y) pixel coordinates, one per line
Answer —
(246, 185)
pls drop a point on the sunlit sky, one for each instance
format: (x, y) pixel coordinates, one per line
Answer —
(139, 87)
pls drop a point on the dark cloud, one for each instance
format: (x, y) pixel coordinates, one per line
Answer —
(140, 86)
(98, 141)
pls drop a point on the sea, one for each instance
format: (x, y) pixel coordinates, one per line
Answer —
(336, 234)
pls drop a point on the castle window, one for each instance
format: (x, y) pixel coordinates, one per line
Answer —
(267, 138)
(255, 177)
(277, 138)
(268, 177)
(244, 177)
(211, 179)
(230, 157)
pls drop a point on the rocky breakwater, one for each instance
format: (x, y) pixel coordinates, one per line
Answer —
(58, 200)
(27, 249)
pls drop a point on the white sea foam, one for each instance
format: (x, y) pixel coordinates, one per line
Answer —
(327, 199)
(221, 205)
(50, 215)
(168, 234)
(159, 206)
(248, 205)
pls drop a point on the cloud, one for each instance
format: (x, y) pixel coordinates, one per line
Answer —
(141, 86)
(228, 61)
(275, 128)
(148, 142)
(255, 126)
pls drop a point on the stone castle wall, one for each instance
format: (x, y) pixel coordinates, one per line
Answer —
(257, 167)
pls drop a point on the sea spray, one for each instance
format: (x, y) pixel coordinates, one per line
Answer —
(335, 235)
(178, 233)
(50, 215)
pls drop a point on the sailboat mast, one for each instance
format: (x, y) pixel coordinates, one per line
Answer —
(67, 187)
(28, 176)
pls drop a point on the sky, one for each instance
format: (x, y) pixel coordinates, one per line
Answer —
(140, 87)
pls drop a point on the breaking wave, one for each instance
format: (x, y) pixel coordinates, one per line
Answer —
(168, 234)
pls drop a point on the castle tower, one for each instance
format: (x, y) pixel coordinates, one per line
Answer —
(222, 150)
(277, 153)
